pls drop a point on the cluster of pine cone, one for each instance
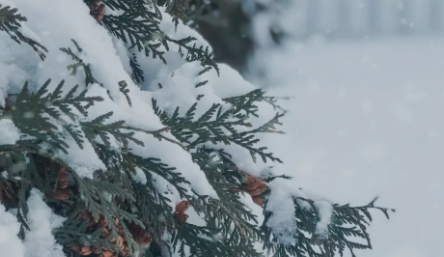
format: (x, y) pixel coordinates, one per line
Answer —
(141, 236)
(256, 187)
(103, 224)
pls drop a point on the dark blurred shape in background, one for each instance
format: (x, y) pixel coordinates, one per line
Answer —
(238, 28)
(225, 24)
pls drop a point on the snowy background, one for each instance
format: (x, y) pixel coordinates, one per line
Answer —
(366, 119)
(365, 81)
(366, 110)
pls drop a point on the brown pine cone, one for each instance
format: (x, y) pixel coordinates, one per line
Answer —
(141, 236)
(181, 208)
(104, 233)
(107, 253)
(259, 200)
(103, 222)
(255, 187)
(262, 187)
(121, 242)
(62, 178)
(62, 194)
(75, 248)
(182, 217)
(85, 250)
(85, 215)
(126, 250)
(97, 10)
(7, 194)
(63, 184)
(253, 183)
(9, 101)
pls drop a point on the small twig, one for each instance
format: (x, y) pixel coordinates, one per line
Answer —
(158, 134)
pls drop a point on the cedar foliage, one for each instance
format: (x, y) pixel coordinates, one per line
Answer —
(111, 214)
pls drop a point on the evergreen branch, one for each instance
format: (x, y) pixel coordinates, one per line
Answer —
(137, 32)
(39, 115)
(97, 127)
(273, 102)
(177, 9)
(137, 73)
(347, 222)
(158, 134)
(194, 53)
(143, 8)
(216, 125)
(10, 23)
(123, 86)
(246, 102)
(153, 205)
(89, 78)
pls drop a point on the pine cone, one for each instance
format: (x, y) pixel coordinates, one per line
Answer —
(9, 102)
(62, 194)
(6, 194)
(182, 217)
(140, 236)
(83, 250)
(259, 200)
(255, 187)
(181, 208)
(262, 187)
(107, 253)
(121, 242)
(253, 183)
(103, 222)
(104, 233)
(97, 10)
(62, 178)
(126, 250)
(86, 250)
(87, 216)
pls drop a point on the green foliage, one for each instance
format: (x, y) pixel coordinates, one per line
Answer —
(217, 125)
(41, 116)
(89, 78)
(48, 119)
(137, 33)
(10, 23)
(138, 28)
(348, 224)
(194, 52)
(137, 72)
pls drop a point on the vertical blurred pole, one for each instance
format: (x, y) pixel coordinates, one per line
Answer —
(420, 16)
(359, 17)
(302, 28)
(374, 17)
(312, 16)
(389, 15)
(405, 9)
(437, 15)
(328, 17)
(344, 13)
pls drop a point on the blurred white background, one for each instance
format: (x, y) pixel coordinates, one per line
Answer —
(366, 110)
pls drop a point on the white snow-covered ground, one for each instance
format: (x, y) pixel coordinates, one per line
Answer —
(366, 119)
